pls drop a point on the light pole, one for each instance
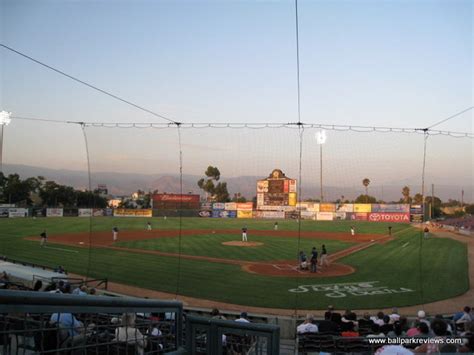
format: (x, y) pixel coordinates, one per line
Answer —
(321, 139)
(4, 121)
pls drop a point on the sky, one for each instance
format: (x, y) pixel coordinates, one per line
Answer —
(385, 63)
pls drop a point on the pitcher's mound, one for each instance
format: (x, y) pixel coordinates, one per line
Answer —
(237, 243)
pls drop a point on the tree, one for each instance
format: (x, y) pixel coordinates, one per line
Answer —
(470, 209)
(406, 194)
(17, 191)
(418, 199)
(366, 183)
(215, 192)
(365, 199)
(238, 198)
(53, 195)
(90, 199)
(435, 204)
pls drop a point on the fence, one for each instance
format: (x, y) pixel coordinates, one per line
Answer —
(215, 336)
(46, 323)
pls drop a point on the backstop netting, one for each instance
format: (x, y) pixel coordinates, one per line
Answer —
(291, 187)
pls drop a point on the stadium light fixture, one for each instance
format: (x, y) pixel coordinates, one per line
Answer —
(5, 118)
(321, 139)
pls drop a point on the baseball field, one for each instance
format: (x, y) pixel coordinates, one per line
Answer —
(205, 259)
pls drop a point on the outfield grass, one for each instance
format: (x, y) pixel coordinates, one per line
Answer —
(395, 264)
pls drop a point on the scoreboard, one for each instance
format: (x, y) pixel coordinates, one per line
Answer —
(276, 190)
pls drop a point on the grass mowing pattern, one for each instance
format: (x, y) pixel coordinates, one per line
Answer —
(274, 248)
(444, 262)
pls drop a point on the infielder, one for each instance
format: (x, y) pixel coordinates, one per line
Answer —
(148, 226)
(44, 238)
(275, 226)
(115, 233)
(353, 232)
(244, 234)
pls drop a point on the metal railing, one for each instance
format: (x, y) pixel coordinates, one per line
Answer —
(215, 336)
(45, 323)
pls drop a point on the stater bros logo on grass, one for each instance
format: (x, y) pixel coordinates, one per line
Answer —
(367, 288)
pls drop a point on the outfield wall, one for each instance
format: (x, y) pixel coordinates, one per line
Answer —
(392, 213)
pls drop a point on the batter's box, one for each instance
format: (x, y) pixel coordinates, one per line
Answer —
(285, 267)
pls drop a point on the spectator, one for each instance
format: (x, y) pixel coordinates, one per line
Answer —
(68, 322)
(93, 291)
(414, 331)
(327, 325)
(394, 316)
(465, 317)
(307, 326)
(439, 328)
(215, 314)
(350, 332)
(375, 331)
(423, 330)
(348, 321)
(243, 318)
(393, 350)
(127, 333)
(397, 331)
(421, 317)
(386, 327)
(4, 277)
(38, 285)
(365, 322)
(81, 291)
(378, 319)
(333, 316)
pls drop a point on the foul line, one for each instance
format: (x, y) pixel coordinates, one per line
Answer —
(61, 249)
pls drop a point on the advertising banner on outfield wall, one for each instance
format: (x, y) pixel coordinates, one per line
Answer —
(85, 212)
(124, 212)
(54, 212)
(400, 208)
(108, 212)
(327, 207)
(244, 214)
(389, 217)
(244, 206)
(308, 215)
(224, 214)
(4, 212)
(205, 213)
(272, 214)
(340, 215)
(230, 206)
(359, 216)
(17, 212)
(207, 206)
(98, 212)
(362, 207)
(324, 216)
(218, 206)
(345, 207)
(292, 186)
(70, 212)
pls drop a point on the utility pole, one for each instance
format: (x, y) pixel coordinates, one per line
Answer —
(321, 139)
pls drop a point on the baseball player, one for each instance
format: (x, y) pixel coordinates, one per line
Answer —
(324, 257)
(244, 234)
(148, 226)
(115, 233)
(44, 238)
(275, 226)
(353, 232)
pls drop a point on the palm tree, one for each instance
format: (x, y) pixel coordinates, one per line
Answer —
(406, 194)
(366, 183)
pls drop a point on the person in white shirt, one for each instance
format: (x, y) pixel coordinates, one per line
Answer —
(394, 317)
(307, 326)
(127, 333)
(243, 318)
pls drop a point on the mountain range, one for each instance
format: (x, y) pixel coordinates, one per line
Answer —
(125, 183)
